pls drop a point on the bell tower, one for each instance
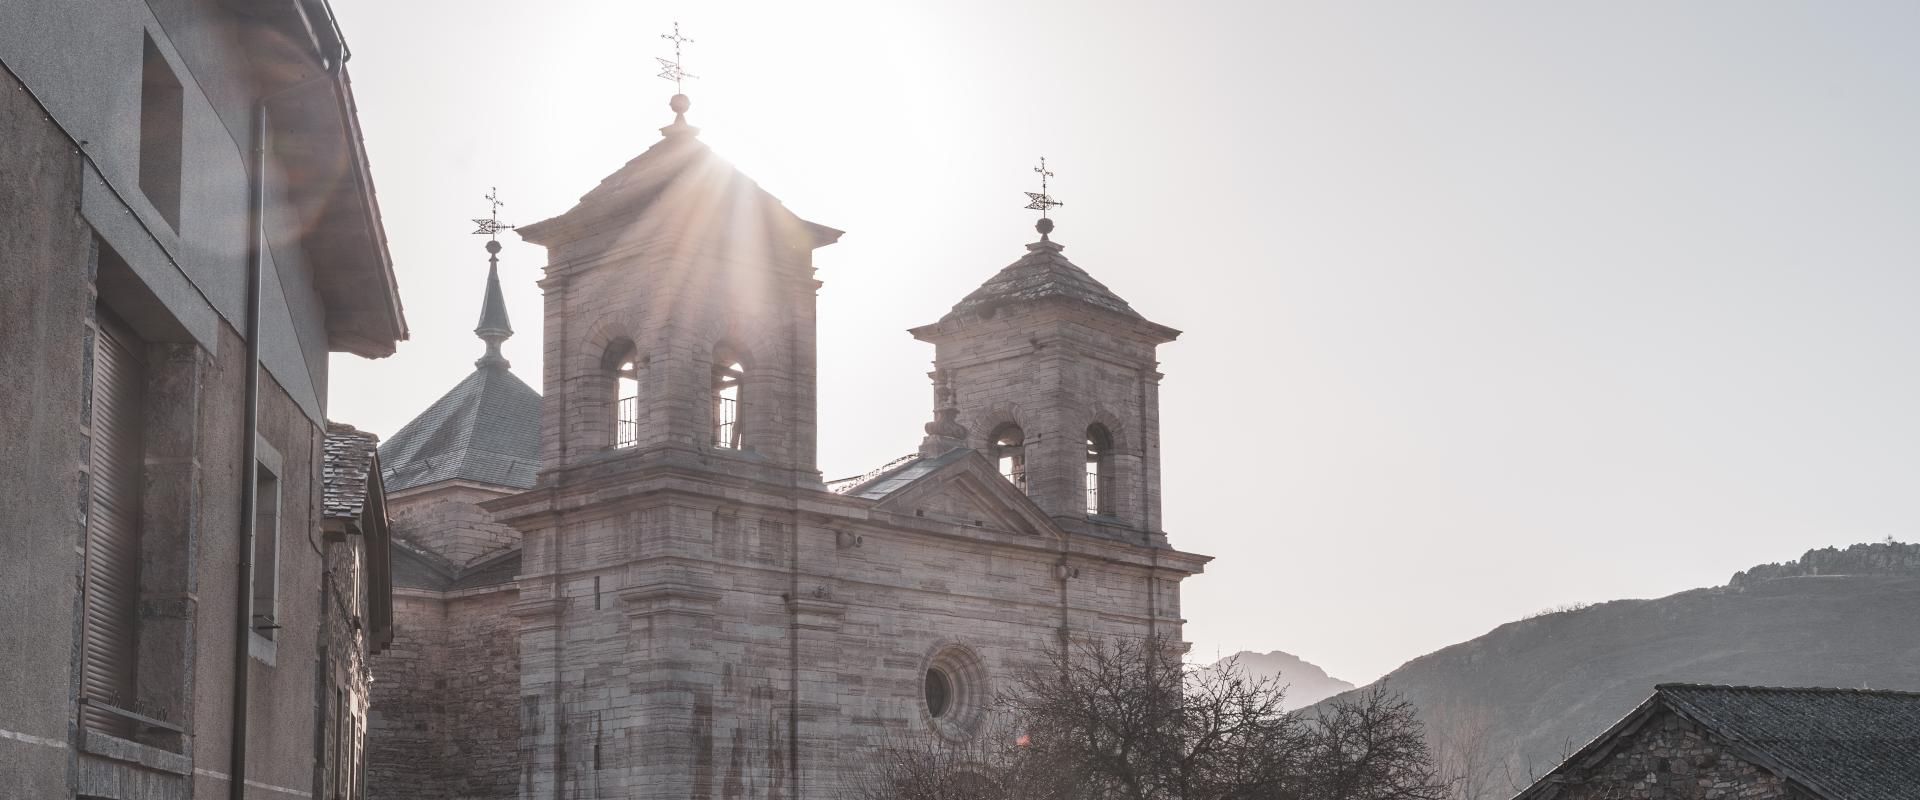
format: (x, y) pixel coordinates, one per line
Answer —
(1054, 378)
(680, 303)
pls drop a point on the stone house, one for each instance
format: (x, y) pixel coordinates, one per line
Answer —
(1692, 742)
(638, 585)
(190, 232)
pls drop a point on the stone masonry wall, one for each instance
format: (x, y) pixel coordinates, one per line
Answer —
(446, 520)
(1670, 758)
(407, 724)
(481, 696)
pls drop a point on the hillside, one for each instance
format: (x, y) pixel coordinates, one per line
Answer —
(1529, 691)
(1306, 683)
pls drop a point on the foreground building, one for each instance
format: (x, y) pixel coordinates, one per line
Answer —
(194, 573)
(1749, 743)
(673, 603)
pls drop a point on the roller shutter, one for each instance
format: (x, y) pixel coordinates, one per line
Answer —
(112, 585)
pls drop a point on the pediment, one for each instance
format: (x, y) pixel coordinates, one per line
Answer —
(967, 490)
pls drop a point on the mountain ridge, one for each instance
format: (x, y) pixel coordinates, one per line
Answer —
(1517, 698)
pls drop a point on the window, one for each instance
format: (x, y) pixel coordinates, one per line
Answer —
(111, 564)
(626, 394)
(161, 134)
(728, 374)
(1010, 454)
(956, 692)
(1100, 499)
(939, 692)
(266, 551)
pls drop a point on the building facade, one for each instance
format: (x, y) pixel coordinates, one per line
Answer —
(690, 610)
(190, 232)
(1749, 743)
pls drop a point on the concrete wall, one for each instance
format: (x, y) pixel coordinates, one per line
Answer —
(43, 325)
(182, 289)
(84, 61)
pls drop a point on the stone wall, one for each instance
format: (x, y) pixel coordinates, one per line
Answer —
(445, 720)
(406, 721)
(1669, 758)
(481, 675)
(445, 519)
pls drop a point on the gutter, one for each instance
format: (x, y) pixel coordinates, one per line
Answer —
(331, 54)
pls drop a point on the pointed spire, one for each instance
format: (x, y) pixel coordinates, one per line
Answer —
(494, 327)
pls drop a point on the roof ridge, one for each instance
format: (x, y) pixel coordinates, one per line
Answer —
(1810, 689)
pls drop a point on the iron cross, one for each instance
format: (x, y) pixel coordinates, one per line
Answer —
(491, 226)
(1042, 202)
(671, 70)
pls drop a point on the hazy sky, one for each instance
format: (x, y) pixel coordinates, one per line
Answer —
(1489, 307)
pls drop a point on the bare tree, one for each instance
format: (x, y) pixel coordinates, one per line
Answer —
(1370, 746)
(1127, 720)
(1464, 750)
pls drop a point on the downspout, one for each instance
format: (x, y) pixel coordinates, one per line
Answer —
(250, 418)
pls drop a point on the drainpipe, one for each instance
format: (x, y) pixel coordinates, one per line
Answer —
(250, 418)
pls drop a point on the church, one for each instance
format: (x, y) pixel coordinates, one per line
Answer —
(635, 583)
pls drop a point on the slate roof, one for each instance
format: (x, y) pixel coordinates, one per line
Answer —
(1042, 273)
(416, 568)
(1846, 744)
(486, 429)
(350, 456)
(1837, 744)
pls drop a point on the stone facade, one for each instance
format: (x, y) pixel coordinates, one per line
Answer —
(1670, 758)
(126, 174)
(694, 613)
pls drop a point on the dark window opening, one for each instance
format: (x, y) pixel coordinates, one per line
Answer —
(162, 126)
(728, 374)
(939, 692)
(1100, 499)
(266, 552)
(1010, 454)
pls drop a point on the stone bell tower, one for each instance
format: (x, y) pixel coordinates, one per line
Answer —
(1054, 379)
(680, 318)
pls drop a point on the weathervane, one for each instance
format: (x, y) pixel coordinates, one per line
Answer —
(1042, 201)
(491, 226)
(671, 70)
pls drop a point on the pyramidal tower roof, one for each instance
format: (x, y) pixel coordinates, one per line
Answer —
(486, 429)
(1041, 276)
(1042, 273)
(682, 171)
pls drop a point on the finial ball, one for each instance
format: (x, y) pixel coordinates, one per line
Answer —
(1044, 226)
(493, 247)
(679, 104)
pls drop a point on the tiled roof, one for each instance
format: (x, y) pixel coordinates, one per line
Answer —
(1042, 273)
(416, 568)
(349, 458)
(1846, 744)
(486, 430)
